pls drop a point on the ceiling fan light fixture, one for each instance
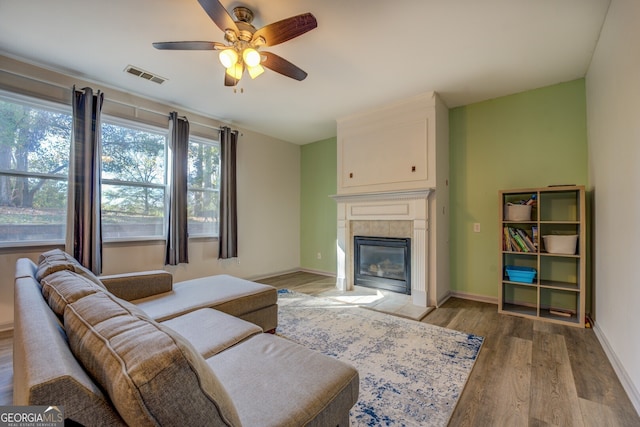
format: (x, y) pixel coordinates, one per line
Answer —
(235, 70)
(251, 57)
(243, 41)
(228, 58)
(255, 71)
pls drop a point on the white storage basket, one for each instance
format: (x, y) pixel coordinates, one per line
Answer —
(517, 212)
(561, 244)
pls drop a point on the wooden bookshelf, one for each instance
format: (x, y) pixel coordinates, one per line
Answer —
(557, 292)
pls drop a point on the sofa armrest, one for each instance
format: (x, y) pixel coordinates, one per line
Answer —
(131, 286)
(25, 268)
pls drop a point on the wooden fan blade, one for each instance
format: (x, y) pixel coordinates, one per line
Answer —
(282, 66)
(219, 14)
(286, 29)
(189, 45)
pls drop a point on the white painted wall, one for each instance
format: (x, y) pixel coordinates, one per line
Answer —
(268, 221)
(268, 173)
(613, 121)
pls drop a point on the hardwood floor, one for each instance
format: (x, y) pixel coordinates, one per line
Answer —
(528, 373)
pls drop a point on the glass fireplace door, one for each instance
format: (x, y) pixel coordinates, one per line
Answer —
(383, 263)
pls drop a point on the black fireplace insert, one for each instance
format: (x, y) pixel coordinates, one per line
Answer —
(383, 263)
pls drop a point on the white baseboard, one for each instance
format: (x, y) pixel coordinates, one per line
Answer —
(443, 299)
(627, 384)
(474, 297)
(277, 273)
(322, 273)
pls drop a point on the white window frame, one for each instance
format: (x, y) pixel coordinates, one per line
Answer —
(132, 124)
(216, 143)
(43, 104)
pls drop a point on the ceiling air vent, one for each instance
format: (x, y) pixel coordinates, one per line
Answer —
(139, 72)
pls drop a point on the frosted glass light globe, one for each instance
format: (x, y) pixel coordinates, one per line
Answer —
(251, 57)
(228, 58)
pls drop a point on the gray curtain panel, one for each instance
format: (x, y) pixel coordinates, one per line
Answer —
(228, 233)
(177, 248)
(84, 225)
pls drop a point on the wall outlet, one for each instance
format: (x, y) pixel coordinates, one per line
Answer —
(476, 227)
(319, 255)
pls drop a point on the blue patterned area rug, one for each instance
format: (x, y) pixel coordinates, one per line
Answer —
(411, 373)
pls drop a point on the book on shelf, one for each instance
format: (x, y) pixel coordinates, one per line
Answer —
(517, 240)
(534, 235)
(526, 239)
(510, 245)
(507, 240)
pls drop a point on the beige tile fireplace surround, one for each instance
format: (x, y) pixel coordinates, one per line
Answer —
(382, 228)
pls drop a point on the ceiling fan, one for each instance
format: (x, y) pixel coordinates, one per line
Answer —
(243, 42)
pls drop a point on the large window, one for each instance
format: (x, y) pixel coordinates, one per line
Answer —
(34, 160)
(133, 180)
(203, 187)
(34, 157)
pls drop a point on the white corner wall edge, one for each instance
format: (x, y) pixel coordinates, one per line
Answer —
(627, 384)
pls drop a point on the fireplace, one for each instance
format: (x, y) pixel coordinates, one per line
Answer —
(408, 214)
(383, 263)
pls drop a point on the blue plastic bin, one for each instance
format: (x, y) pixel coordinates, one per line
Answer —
(520, 274)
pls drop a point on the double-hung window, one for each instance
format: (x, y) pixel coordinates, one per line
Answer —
(203, 187)
(34, 164)
(133, 180)
(35, 140)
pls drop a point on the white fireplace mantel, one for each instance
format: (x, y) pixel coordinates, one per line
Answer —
(392, 195)
(412, 206)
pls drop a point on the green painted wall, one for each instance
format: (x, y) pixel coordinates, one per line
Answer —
(531, 139)
(318, 224)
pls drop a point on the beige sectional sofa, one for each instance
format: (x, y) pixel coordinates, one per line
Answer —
(140, 350)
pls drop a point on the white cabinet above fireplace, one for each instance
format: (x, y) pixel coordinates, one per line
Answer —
(392, 148)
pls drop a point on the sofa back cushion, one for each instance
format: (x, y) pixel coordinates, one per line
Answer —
(152, 374)
(45, 370)
(56, 260)
(65, 287)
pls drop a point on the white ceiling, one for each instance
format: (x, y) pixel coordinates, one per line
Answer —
(467, 50)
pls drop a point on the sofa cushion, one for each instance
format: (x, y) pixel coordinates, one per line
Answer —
(225, 293)
(152, 374)
(57, 260)
(325, 390)
(64, 287)
(54, 260)
(211, 331)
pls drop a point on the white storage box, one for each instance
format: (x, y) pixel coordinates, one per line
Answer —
(561, 244)
(517, 212)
